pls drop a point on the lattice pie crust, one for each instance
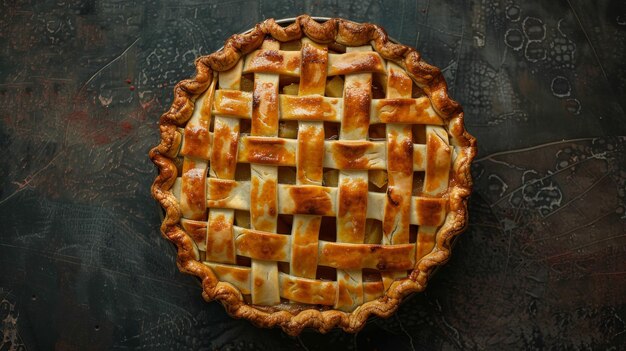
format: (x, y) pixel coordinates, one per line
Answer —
(312, 175)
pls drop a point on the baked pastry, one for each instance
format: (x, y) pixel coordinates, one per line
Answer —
(312, 174)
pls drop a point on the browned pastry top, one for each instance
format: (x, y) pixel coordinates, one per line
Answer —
(312, 175)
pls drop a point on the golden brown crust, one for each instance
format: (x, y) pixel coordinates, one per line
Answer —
(340, 31)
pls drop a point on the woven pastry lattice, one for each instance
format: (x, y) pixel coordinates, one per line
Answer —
(306, 176)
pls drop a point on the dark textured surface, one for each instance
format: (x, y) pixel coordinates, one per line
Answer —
(542, 265)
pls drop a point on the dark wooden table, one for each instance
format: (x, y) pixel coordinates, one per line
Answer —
(82, 263)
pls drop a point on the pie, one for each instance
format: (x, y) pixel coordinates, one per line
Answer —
(312, 174)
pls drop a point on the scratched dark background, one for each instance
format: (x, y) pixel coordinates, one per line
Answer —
(82, 263)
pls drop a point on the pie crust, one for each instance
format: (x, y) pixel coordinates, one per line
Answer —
(359, 163)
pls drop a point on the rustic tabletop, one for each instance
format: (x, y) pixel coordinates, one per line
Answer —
(542, 264)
